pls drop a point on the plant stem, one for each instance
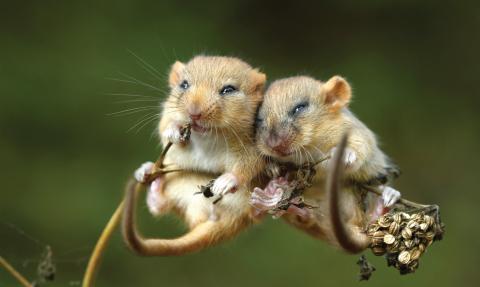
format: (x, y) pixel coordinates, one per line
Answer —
(14, 272)
(102, 243)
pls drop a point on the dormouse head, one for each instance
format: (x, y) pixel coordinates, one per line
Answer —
(295, 113)
(216, 92)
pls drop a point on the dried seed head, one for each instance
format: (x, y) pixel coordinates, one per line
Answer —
(404, 257)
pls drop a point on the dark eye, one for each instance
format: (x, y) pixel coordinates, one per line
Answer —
(184, 85)
(227, 90)
(298, 109)
(258, 122)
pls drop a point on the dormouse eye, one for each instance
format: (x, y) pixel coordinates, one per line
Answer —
(298, 109)
(184, 85)
(227, 90)
(258, 121)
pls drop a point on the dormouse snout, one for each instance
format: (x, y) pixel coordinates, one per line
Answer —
(194, 112)
(278, 142)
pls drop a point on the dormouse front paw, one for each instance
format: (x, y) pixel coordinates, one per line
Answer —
(389, 195)
(224, 184)
(172, 134)
(142, 173)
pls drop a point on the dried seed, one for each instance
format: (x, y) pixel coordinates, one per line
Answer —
(412, 224)
(384, 221)
(404, 257)
(394, 228)
(394, 247)
(416, 217)
(430, 235)
(405, 216)
(378, 250)
(408, 243)
(397, 217)
(407, 233)
(429, 220)
(415, 254)
(378, 234)
(388, 238)
(423, 226)
(421, 247)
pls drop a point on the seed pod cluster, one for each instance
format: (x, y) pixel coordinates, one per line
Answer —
(403, 238)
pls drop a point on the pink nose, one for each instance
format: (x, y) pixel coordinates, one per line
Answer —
(195, 116)
(278, 144)
(273, 141)
(194, 112)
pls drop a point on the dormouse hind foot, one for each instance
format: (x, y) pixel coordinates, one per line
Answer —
(156, 201)
(350, 159)
(389, 195)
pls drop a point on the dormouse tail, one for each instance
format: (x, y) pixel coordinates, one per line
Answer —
(201, 236)
(349, 238)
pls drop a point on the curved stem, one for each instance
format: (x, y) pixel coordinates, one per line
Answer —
(102, 242)
(14, 272)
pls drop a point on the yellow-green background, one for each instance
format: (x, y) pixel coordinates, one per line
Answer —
(414, 67)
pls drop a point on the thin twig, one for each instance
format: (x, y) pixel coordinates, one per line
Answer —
(14, 272)
(102, 242)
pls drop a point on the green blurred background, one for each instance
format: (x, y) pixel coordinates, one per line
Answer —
(414, 68)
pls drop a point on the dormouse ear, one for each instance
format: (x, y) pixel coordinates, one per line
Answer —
(257, 81)
(176, 74)
(337, 93)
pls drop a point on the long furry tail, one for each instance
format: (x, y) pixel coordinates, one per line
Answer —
(201, 236)
(350, 240)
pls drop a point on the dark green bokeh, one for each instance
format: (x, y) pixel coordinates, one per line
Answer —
(413, 66)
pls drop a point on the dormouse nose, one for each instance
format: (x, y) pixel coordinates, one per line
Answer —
(273, 140)
(194, 112)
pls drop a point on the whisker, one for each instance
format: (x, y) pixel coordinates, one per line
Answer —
(130, 95)
(142, 83)
(148, 121)
(131, 111)
(147, 67)
(141, 120)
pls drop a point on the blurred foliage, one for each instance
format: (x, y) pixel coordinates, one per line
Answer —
(413, 65)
